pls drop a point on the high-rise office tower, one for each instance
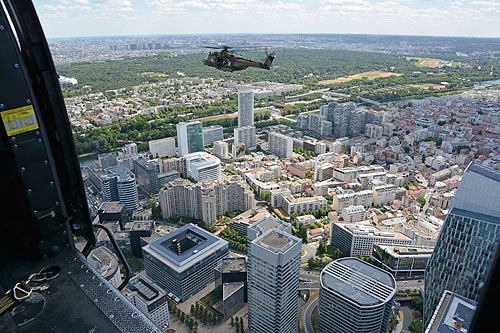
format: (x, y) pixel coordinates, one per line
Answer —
(245, 108)
(147, 175)
(273, 282)
(354, 297)
(190, 137)
(468, 239)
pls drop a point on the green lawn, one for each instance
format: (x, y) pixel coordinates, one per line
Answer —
(218, 117)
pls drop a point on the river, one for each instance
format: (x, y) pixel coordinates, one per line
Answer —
(483, 85)
(87, 160)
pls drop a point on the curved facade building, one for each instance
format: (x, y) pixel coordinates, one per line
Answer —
(127, 192)
(354, 297)
(119, 184)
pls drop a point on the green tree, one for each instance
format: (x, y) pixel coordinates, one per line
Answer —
(302, 232)
(232, 322)
(265, 195)
(416, 326)
(311, 263)
(322, 247)
(421, 201)
(417, 303)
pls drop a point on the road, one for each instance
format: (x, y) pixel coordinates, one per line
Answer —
(309, 274)
(409, 284)
(306, 317)
(310, 250)
(407, 318)
(308, 93)
(366, 100)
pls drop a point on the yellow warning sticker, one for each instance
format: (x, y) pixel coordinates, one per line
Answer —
(20, 120)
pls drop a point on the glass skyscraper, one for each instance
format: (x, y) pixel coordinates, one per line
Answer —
(468, 239)
(190, 137)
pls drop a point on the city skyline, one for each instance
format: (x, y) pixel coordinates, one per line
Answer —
(85, 18)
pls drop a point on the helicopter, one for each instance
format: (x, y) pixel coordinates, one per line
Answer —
(230, 61)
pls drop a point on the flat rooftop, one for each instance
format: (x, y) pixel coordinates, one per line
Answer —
(144, 225)
(232, 265)
(111, 207)
(276, 241)
(366, 229)
(184, 247)
(407, 250)
(358, 281)
(267, 223)
(453, 311)
(143, 287)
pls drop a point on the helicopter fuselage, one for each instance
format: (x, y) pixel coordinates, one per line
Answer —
(230, 62)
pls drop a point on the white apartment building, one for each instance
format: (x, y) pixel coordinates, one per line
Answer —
(363, 198)
(205, 200)
(283, 198)
(347, 175)
(245, 136)
(352, 214)
(305, 219)
(163, 147)
(280, 144)
(374, 131)
(383, 194)
(358, 238)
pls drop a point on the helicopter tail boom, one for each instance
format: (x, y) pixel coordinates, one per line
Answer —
(269, 61)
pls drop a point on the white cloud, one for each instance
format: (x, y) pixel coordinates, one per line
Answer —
(459, 17)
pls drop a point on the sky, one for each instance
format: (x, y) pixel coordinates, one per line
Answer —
(80, 18)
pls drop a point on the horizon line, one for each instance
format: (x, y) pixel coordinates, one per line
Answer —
(276, 33)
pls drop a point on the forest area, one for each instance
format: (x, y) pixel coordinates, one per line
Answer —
(300, 66)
